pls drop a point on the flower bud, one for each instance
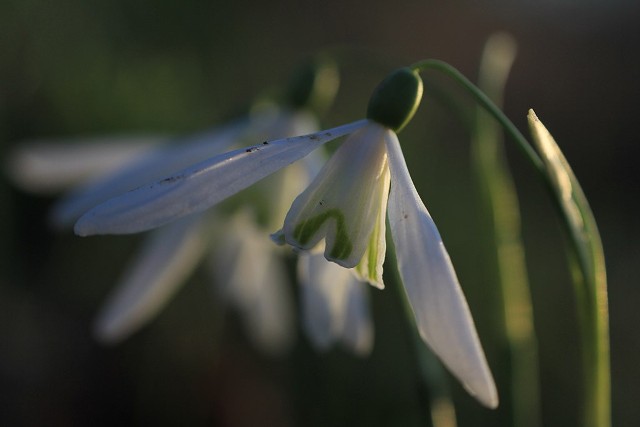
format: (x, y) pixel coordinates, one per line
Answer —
(314, 85)
(395, 100)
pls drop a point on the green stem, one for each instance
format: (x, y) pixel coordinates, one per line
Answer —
(506, 258)
(488, 105)
(590, 282)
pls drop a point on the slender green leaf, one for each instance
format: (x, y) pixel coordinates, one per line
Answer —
(590, 278)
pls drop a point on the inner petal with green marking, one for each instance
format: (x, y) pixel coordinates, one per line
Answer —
(342, 205)
(307, 228)
(370, 267)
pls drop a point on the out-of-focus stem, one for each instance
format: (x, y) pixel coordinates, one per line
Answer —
(502, 219)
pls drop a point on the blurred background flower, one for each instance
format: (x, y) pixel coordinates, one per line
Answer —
(77, 67)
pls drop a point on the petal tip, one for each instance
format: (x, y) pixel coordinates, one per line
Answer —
(84, 227)
(486, 394)
(491, 401)
(106, 332)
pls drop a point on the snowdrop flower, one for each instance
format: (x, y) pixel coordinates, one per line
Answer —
(335, 304)
(46, 166)
(170, 254)
(364, 181)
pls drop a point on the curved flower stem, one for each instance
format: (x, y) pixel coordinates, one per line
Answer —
(488, 105)
(586, 248)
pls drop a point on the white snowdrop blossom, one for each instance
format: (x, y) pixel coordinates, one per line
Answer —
(345, 206)
(47, 166)
(335, 304)
(98, 168)
(169, 255)
(251, 276)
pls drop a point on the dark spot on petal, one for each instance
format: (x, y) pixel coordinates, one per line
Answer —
(265, 143)
(313, 137)
(171, 179)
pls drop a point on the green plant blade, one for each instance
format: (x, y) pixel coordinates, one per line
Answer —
(590, 277)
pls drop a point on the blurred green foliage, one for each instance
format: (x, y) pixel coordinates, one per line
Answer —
(75, 67)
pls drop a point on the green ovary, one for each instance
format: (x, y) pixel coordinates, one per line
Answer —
(306, 229)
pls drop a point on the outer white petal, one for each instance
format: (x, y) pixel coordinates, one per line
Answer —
(334, 304)
(180, 153)
(201, 186)
(48, 166)
(250, 276)
(273, 195)
(342, 203)
(164, 263)
(440, 308)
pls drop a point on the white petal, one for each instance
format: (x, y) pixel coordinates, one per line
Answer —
(49, 166)
(272, 196)
(440, 308)
(319, 321)
(200, 186)
(251, 277)
(164, 263)
(180, 153)
(342, 203)
(334, 304)
(358, 327)
(370, 267)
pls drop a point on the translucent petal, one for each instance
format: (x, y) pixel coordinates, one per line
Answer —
(49, 166)
(250, 276)
(342, 203)
(180, 153)
(164, 263)
(278, 191)
(370, 267)
(272, 196)
(334, 305)
(201, 186)
(440, 308)
(358, 327)
(319, 319)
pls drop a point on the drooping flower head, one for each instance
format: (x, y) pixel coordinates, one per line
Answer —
(107, 167)
(365, 181)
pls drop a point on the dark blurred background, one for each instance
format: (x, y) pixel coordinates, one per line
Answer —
(87, 67)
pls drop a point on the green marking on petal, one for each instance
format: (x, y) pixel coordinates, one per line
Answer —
(305, 230)
(373, 253)
(369, 269)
